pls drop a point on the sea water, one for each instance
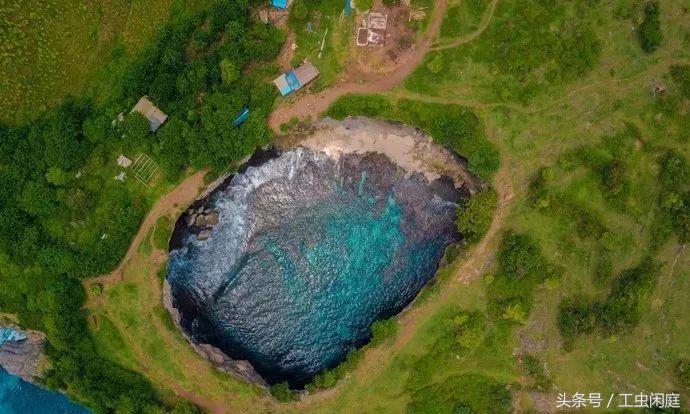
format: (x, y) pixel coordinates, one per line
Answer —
(21, 397)
(309, 252)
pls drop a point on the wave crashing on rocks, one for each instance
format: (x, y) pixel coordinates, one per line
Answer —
(307, 252)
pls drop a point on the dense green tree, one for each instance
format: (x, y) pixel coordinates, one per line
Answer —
(474, 219)
(520, 256)
(36, 199)
(229, 71)
(300, 13)
(57, 226)
(649, 31)
(172, 153)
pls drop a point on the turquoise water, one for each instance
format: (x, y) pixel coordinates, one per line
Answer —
(20, 397)
(309, 252)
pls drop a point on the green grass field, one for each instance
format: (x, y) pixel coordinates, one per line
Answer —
(322, 24)
(51, 49)
(537, 121)
(565, 86)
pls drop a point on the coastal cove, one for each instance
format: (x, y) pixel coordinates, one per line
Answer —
(279, 272)
(22, 397)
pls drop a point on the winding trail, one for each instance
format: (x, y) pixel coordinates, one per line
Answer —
(304, 106)
(615, 84)
(182, 195)
(486, 19)
(311, 105)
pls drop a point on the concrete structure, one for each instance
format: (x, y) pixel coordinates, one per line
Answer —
(155, 116)
(296, 79)
(373, 30)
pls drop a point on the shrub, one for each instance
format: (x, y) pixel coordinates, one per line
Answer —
(535, 370)
(603, 270)
(539, 192)
(484, 160)
(674, 170)
(622, 309)
(283, 393)
(681, 76)
(613, 180)
(675, 196)
(474, 218)
(649, 31)
(383, 330)
(576, 317)
(470, 329)
(520, 256)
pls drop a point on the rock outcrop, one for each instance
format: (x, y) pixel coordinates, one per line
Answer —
(23, 357)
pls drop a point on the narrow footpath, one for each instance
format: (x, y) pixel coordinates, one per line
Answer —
(311, 105)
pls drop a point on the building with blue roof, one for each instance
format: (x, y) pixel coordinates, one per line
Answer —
(296, 79)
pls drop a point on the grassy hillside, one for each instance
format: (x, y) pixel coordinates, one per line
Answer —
(49, 49)
(580, 285)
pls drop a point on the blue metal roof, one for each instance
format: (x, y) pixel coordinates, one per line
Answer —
(243, 116)
(281, 4)
(292, 80)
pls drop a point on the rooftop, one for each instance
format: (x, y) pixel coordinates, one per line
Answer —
(155, 116)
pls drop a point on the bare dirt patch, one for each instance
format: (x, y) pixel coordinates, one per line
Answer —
(311, 105)
(384, 46)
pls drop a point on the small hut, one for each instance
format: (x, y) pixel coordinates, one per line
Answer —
(296, 79)
(155, 116)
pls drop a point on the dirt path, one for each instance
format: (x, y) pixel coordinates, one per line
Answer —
(477, 259)
(617, 85)
(287, 52)
(313, 104)
(486, 19)
(183, 194)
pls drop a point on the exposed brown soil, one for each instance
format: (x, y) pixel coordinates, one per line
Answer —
(372, 62)
(287, 52)
(312, 105)
(183, 194)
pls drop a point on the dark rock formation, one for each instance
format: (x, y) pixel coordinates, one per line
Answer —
(23, 358)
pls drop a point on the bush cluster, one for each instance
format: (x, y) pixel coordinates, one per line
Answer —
(474, 218)
(619, 312)
(649, 31)
(455, 127)
(675, 193)
(63, 217)
(521, 266)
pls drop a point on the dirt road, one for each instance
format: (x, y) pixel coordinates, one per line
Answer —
(182, 195)
(313, 104)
